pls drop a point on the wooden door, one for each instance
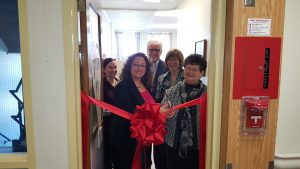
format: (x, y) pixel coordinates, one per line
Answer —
(252, 151)
(91, 75)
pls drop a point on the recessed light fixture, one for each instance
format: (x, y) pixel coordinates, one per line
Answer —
(170, 13)
(153, 1)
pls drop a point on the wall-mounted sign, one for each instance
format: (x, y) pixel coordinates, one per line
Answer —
(259, 27)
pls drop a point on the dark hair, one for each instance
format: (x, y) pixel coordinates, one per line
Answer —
(107, 61)
(196, 59)
(177, 54)
(126, 71)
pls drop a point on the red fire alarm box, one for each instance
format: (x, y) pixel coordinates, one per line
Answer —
(254, 113)
(256, 66)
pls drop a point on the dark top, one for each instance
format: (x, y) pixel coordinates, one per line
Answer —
(108, 91)
(161, 69)
(179, 94)
(126, 97)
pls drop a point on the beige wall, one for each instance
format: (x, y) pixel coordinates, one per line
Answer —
(106, 36)
(193, 24)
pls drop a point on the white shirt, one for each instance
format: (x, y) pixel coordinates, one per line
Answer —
(154, 67)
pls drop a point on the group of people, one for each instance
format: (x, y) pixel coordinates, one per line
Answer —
(148, 79)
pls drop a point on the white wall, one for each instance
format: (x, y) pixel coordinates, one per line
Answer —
(193, 24)
(288, 134)
(48, 88)
(106, 36)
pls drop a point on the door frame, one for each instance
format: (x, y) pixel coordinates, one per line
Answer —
(72, 72)
(215, 72)
(215, 83)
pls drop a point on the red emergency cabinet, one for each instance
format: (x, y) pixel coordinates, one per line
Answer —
(256, 66)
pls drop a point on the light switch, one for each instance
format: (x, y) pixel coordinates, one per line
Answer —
(249, 2)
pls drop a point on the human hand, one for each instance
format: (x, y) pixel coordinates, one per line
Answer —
(166, 110)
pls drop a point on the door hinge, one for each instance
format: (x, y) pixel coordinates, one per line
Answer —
(271, 165)
(80, 48)
(228, 166)
(80, 5)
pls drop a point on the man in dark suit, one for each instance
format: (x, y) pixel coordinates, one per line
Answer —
(158, 67)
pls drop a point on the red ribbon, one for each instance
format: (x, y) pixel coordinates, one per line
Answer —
(147, 123)
(85, 124)
(202, 133)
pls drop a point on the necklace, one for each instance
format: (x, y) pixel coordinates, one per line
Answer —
(139, 84)
(140, 87)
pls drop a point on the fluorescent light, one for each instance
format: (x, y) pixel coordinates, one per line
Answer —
(163, 26)
(153, 1)
(171, 13)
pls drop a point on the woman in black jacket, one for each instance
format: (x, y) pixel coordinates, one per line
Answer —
(132, 90)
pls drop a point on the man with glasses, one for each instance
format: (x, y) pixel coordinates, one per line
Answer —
(158, 67)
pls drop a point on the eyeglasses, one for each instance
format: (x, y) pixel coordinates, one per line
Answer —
(154, 50)
(139, 66)
(193, 70)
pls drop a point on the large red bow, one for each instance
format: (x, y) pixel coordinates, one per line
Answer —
(147, 127)
(148, 124)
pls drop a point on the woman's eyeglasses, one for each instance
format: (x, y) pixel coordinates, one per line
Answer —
(138, 65)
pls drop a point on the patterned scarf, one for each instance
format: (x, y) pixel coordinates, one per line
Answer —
(186, 120)
(165, 84)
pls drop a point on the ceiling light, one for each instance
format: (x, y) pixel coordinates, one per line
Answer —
(152, 1)
(171, 13)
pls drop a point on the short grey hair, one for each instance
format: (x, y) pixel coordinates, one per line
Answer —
(154, 42)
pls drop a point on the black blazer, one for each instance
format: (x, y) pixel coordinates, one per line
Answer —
(161, 69)
(126, 97)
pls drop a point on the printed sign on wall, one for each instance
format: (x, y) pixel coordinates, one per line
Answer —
(259, 27)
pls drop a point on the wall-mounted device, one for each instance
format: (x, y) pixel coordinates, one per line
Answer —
(249, 2)
(254, 114)
(256, 67)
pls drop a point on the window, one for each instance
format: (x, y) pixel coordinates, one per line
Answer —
(12, 123)
(127, 44)
(130, 42)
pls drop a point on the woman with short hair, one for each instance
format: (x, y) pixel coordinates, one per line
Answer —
(174, 75)
(182, 136)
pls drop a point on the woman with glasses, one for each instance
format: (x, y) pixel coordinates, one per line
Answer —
(183, 125)
(174, 75)
(133, 89)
